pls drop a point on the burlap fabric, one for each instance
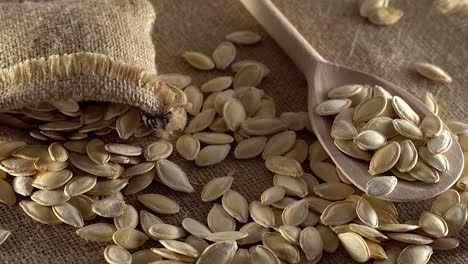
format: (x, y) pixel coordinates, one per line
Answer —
(340, 35)
(81, 51)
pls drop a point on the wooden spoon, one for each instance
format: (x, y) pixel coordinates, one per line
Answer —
(322, 76)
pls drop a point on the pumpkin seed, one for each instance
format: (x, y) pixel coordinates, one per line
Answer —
(109, 207)
(159, 203)
(224, 55)
(76, 146)
(385, 16)
(284, 166)
(381, 186)
(128, 123)
(437, 161)
(316, 152)
(370, 140)
(129, 238)
(217, 84)
(385, 158)
(243, 37)
(424, 173)
(116, 255)
(221, 99)
(212, 154)
(106, 187)
(173, 176)
(272, 195)
(226, 236)
(40, 213)
(4, 234)
(367, 6)
(166, 231)
(214, 138)
(433, 72)
(262, 126)
(366, 213)
(188, 147)
(254, 231)
(51, 180)
(145, 256)
(445, 201)
(311, 243)
(339, 213)
(440, 143)
(409, 238)
(355, 245)
(219, 220)
(30, 152)
(279, 144)
(195, 228)
(236, 205)
(140, 182)
(281, 247)
(171, 255)
(216, 188)
(195, 97)
(49, 198)
(290, 233)
(84, 204)
(349, 148)
(267, 108)
(329, 238)
(456, 218)
(433, 224)
(332, 107)
(369, 109)
(383, 125)
(147, 220)
(239, 65)
(21, 185)
(445, 243)
(404, 111)
(96, 151)
(178, 80)
(376, 250)
(333, 191)
(158, 150)
(295, 186)
(7, 194)
(220, 252)
(242, 256)
(250, 147)
(234, 114)
(295, 213)
(457, 127)
(263, 255)
(415, 254)
(68, 214)
(196, 242)
(180, 247)
(261, 214)
(198, 60)
(299, 151)
(408, 156)
(84, 163)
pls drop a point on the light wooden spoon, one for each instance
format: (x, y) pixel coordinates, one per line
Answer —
(322, 76)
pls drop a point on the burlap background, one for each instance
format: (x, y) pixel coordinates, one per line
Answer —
(339, 34)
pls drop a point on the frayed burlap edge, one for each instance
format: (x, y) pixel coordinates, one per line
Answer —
(72, 77)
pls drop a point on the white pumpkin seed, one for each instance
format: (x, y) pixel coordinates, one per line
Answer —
(243, 37)
(381, 186)
(198, 60)
(224, 55)
(212, 154)
(159, 203)
(433, 72)
(178, 80)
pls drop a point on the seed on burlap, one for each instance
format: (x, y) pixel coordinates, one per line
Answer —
(49, 198)
(159, 203)
(20, 185)
(433, 72)
(290, 233)
(51, 180)
(250, 147)
(299, 151)
(355, 245)
(106, 187)
(199, 243)
(284, 166)
(145, 256)
(128, 123)
(40, 213)
(140, 182)
(196, 228)
(4, 234)
(84, 204)
(198, 60)
(188, 147)
(201, 121)
(325, 171)
(415, 254)
(129, 218)
(214, 138)
(281, 247)
(76, 146)
(261, 214)
(115, 254)
(123, 149)
(295, 213)
(219, 220)
(243, 37)
(385, 16)
(294, 186)
(220, 252)
(234, 114)
(224, 54)
(263, 255)
(456, 218)
(254, 231)
(217, 84)
(410, 238)
(173, 176)
(239, 65)
(109, 207)
(84, 163)
(236, 205)
(220, 99)
(147, 220)
(339, 213)
(166, 231)
(368, 232)
(129, 238)
(171, 255)
(279, 144)
(180, 247)
(7, 194)
(263, 126)
(272, 195)
(226, 236)
(157, 150)
(68, 214)
(333, 191)
(329, 238)
(96, 151)
(216, 188)
(179, 80)
(212, 154)
(445, 243)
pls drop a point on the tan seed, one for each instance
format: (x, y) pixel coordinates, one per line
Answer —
(284, 166)
(243, 37)
(166, 231)
(198, 60)
(188, 147)
(173, 176)
(385, 16)
(250, 147)
(129, 238)
(216, 188)
(159, 203)
(433, 72)
(220, 252)
(219, 220)
(212, 154)
(385, 158)
(355, 246)
(415, 254)
(224, 55)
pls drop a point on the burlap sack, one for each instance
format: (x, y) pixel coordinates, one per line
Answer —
(335, 28)
(85, 50)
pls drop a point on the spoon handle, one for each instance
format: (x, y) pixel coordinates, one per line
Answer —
(285, 34)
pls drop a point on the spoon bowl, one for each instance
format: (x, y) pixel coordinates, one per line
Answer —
(321, 77)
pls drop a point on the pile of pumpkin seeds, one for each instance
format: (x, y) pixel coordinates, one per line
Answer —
(295, 220)
(372, 125)
(68, 120)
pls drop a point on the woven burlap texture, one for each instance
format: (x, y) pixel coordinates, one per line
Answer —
(339, 34)
(83, 50)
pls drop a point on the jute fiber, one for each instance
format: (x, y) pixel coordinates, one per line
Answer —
(335, 28)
